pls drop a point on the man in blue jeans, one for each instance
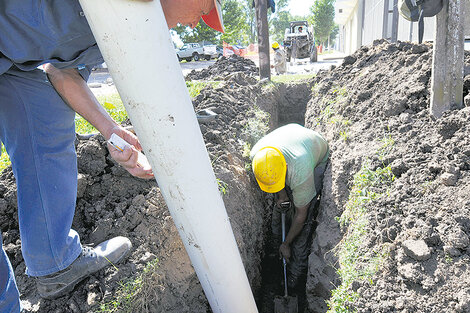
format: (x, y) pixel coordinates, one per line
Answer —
(37, 111)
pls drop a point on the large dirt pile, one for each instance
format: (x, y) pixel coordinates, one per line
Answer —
(375, 108)
(111, 202)
(224, 67)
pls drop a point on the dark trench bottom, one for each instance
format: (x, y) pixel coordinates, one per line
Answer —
(272, 273)
(272, 278)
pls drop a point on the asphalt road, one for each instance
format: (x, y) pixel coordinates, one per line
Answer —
(101, 75)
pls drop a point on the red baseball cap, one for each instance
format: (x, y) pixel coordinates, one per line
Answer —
(214, 19)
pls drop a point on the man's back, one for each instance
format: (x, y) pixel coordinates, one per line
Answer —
(303, 150)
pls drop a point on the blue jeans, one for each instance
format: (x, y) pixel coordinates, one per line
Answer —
(38, 131)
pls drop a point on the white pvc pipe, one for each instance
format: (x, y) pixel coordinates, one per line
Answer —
(136, 45)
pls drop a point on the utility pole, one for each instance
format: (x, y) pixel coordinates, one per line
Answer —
(261, 8)
(448, 59)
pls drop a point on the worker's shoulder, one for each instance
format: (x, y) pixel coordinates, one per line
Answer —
(295, 133)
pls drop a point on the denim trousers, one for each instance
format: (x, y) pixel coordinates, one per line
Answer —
(38, 130)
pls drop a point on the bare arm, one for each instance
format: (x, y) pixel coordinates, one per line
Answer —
(75, 92)
(296, 227)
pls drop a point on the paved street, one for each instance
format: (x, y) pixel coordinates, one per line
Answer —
(101, 83)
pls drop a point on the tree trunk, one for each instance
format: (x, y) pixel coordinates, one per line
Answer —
(261, 7)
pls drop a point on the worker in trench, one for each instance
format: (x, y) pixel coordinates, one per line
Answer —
(290, 163)
(37, 113)
(279, 59)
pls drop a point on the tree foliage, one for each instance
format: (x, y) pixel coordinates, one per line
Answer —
(236, 28)
(322, 18)
(240, 23)
(201, 33)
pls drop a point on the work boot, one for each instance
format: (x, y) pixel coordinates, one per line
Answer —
(90, 261)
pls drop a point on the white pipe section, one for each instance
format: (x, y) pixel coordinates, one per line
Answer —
(135, 42)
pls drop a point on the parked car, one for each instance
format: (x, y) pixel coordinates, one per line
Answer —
(210, 52)
(195, 51)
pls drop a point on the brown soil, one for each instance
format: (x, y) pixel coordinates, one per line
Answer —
(386, 95)
(384, 92)
(111, 202)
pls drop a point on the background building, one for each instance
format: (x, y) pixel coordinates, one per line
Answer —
(362, 21)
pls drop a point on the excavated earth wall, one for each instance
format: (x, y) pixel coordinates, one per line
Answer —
(375, 108)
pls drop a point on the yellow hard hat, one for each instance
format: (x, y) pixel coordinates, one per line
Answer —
(269, 166)
(275, 45)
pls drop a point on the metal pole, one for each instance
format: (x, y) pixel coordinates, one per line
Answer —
(135, 42)
(395, 21)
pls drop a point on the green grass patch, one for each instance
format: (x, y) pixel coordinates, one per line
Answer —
(4, 159)
(195, 87)
(291, 78)
(134, 295)
(223, 187)
(386, 147)
(357, 263)
(256, 126)
(326, 52)
(112, 104)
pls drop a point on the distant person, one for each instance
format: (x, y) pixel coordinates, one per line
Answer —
(279, 59)
(300, 29)
(290, 162)
(37, 113)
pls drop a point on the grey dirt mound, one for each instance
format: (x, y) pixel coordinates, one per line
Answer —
(224, 67)
(375, 108)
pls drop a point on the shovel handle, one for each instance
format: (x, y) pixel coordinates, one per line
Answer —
(284, 263)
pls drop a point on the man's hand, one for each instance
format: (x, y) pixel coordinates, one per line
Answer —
(284, 251)
(128, 157)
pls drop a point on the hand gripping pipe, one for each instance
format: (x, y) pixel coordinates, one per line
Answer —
(135, 42)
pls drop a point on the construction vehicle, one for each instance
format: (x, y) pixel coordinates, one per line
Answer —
(299, 42)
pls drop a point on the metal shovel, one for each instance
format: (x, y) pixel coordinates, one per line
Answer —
(285, 304)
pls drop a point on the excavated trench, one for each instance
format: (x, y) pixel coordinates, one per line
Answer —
(286, 104)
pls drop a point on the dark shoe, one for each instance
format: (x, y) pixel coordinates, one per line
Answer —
(91, 260)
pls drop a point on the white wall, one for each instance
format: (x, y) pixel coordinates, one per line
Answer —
(353, 33)
(373, 20)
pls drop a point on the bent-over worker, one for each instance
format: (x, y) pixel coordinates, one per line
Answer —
(290, 162)
(37, 115)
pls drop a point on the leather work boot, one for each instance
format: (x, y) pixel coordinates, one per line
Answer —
(91, 260)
